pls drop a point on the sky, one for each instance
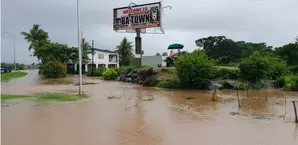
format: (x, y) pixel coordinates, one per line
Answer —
(272, 21)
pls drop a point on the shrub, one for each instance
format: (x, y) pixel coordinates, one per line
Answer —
(173, 82)
(110, 74)
(286, 81)
(96, 72)
(227, 73)
(242, 86)
(53, 69)
(262, 66)
(193, 68)
(294, 69)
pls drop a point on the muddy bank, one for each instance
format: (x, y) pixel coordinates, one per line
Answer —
(169, 119)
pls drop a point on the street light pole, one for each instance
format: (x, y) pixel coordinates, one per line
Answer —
(14, 50)
(80, 48)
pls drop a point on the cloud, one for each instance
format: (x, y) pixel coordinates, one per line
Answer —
(271, 21)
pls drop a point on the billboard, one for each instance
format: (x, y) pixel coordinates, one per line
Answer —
(139, 16)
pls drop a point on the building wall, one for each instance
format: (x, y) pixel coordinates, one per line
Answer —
(152, 61)
(105, 59)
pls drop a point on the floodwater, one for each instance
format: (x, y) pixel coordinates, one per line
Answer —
(167, 120)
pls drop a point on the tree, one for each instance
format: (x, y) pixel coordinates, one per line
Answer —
(221, 48)
(37, 39)
(86, 50)
(125, 52)
(289, 53)
(157, 54)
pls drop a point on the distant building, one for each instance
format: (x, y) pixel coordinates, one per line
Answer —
(102, 59)
(153, 61)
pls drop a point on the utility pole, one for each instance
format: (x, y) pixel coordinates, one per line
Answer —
(92, 52)
(80, 48)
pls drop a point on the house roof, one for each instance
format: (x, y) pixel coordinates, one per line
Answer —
(104, 50)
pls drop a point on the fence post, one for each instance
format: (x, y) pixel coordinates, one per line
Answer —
(296, 118)
(238, 99)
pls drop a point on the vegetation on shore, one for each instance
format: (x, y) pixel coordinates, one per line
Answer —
(45, 97)
(11, 75)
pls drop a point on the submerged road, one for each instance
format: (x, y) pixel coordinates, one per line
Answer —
(167, 120)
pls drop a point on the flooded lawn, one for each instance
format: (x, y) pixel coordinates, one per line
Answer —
(144, 116)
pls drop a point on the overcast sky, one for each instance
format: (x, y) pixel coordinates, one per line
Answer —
(272, 21)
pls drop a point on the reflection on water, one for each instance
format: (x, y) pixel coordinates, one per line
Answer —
(167, 120)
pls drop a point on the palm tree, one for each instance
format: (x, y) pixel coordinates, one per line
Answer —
(86, 50)
(37, 39)
(125, 52)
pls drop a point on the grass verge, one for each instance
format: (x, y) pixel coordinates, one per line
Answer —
(11, 75)
(44, 97)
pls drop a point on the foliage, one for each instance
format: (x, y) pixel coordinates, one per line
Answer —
(262, 66)
(193, 68)
(228, 51)
(242, 86)
(110, 74)
(158, 54)
(42, 97)
(221, 48)
(96, 72)
(172, 82)
(37, 38)
(294, 69)
(53, 69)
(286, 81)
(11, 75)
(125, 52)
(289, 53)
(53, 54)
(227, 73)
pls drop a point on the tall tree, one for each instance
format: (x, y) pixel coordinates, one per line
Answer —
(289, 53)
(37, 39)
(125, 52)
(157, 54)
(220, 48)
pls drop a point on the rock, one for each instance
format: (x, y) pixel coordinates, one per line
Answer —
(129, 79)
(150, 81)
(230, 85)
(294, 88)
(146, 73)
(210, 85)
(135, 75)
(136, 80)
(118, 78)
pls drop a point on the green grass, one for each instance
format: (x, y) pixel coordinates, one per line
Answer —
(11, 75)
(44, 97)
(189, 97)
(148, 99)
(113, 97)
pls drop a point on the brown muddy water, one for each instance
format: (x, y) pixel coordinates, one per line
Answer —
(169, 119)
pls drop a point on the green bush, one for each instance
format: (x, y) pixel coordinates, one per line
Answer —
(53, 69)
(170, 83)
(194, 68)
(294, 69)
(262, 66)
(227, 73)
(286, 81)
(110, 74)
(96, 72)
(242, 86)
(125, 69)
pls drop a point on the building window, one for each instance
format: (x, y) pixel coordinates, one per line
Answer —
(100, 56)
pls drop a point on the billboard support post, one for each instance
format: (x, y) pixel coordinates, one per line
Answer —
(138, 43)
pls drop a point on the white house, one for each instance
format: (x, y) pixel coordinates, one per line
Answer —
(102, 59)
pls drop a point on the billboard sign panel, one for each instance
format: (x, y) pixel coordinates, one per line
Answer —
(139, 16)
